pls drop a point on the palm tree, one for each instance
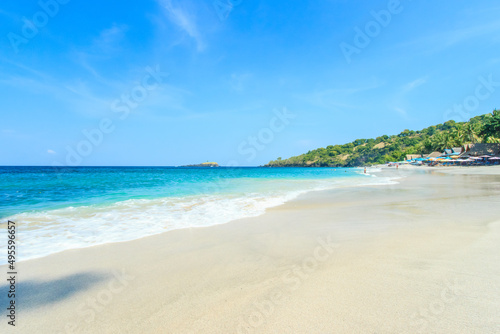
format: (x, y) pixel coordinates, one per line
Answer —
(438, 142)
(493, 140)
(471, 133)
(492, 124)
(458, 135)
(427, 145)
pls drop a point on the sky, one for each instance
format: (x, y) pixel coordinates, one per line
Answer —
(238, 82)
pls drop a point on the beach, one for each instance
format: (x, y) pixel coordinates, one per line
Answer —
(242, 167)
(417, 256)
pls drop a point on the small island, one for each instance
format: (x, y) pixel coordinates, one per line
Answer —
(204, 164)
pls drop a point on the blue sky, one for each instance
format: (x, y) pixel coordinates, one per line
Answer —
(167, 82)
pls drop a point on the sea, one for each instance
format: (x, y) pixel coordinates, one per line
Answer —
(59, 209)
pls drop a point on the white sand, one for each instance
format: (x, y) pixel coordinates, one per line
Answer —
(422, 256)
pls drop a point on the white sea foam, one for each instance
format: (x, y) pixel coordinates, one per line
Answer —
(47, 232)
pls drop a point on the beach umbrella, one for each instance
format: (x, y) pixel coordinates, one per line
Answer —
(474, 158)
(454, 156)
(485, 156)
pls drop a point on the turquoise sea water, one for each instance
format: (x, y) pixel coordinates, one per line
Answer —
(79, 207)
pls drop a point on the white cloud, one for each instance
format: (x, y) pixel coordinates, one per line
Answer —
(104, 47)
(341, 98)
(304, 143)
(110, 38)
(442, 40)
(239, 81)
(51, 152)
(14, 17)
(414, 84)
(183, 20)
(76, 97)
(401, 111)
(25, 68)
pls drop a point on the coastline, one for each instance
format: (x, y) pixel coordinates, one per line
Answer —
(81, 225)
(366, 259)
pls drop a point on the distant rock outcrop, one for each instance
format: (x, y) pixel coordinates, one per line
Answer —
(204, 164)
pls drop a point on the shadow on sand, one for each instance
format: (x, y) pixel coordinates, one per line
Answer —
(35, 294)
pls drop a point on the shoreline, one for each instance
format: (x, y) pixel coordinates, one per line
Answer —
(283, 200)
(365, 259)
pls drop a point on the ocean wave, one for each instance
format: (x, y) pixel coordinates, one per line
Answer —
(52, 231)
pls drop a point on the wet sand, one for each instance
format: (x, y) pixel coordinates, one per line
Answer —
(420, 256)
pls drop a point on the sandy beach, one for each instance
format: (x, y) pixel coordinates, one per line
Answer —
(419, 256)
(245, 167)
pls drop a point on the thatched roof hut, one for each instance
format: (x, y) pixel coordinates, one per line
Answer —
(433, 155)
(476, 150)
(413, 156)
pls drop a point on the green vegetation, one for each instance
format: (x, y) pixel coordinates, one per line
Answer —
(480, 129)
(204, 164)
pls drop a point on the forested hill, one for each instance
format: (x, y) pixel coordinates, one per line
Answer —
(484, 128)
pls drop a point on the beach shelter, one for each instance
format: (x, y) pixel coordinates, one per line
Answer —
(434, 155)
(494, 160)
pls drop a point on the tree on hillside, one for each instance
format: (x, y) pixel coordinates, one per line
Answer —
(493, 140)
(491, 127)
(458, 135)
(438, 142)
(471, 132)
(482, 128)
(428, 145)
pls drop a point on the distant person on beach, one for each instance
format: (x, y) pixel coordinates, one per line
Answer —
(365, 170)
